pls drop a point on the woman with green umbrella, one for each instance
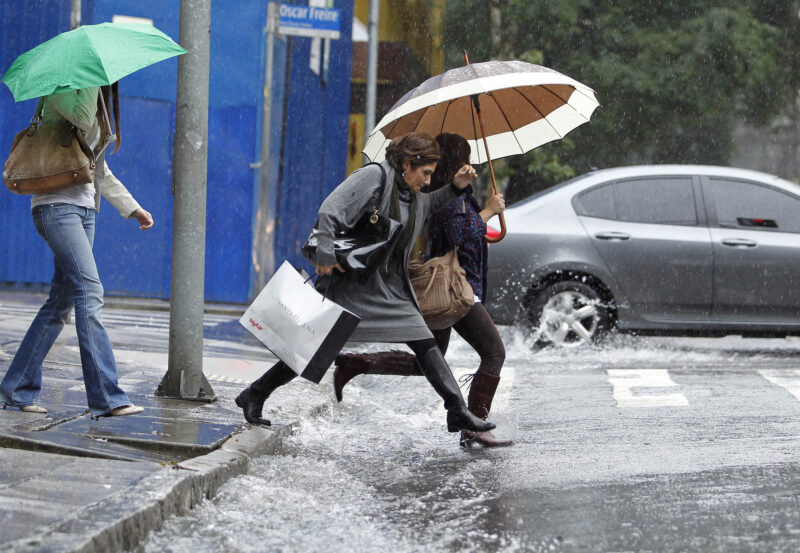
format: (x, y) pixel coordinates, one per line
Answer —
(66, 221)
(75, 74)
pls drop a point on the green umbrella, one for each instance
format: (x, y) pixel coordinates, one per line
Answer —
(91, 55)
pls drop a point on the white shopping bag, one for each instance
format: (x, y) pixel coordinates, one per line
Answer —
(301, 327)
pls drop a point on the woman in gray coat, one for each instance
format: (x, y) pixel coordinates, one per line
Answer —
(385, 301)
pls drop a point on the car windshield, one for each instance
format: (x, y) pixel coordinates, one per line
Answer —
(552, 189)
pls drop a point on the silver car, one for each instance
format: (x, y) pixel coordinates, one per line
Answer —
(656, 249)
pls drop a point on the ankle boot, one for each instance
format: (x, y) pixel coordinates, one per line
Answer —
(481, 394)
(251, 399)
(435, 369)
(350, 365)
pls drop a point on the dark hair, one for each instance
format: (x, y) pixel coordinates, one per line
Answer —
(108, 92)
(455, 154)
(416, 147)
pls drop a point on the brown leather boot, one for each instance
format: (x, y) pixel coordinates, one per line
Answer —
(350, 365)
(479, 401)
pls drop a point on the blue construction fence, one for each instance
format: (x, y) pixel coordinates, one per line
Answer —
(307, 158)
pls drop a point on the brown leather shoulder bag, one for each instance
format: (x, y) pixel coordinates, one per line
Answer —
(442, 290)
(47, 158)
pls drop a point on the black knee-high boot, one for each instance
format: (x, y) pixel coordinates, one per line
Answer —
(252, 398)
(438, 373)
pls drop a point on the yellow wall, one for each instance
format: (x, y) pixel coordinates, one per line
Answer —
(355, 141)
(416, 22)
(419, 23)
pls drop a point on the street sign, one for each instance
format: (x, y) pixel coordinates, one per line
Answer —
(309, 21)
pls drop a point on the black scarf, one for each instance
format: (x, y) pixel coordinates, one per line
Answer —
(396, 258)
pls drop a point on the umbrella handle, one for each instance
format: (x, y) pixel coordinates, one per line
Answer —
(490, 239)
(476, 103)
(494, 239)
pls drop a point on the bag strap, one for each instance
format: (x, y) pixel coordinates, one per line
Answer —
(373, 199)
(40, 108)
(454, 259)
(430, 282)
(106, 119)
(37, 117)
(111, 137)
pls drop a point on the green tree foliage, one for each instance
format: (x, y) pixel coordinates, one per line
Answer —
(672, 77)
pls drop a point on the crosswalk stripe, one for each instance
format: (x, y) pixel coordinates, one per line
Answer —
(219, 378)
(789, 379)
(623, 382)
(157, 320)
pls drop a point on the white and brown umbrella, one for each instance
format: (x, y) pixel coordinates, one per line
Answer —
(511, 107)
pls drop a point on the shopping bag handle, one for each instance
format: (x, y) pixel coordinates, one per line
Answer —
(327, 286)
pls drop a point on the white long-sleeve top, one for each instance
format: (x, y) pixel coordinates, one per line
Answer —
(79, 107)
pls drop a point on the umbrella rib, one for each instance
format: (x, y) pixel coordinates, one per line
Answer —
(505, 117)
(444, 118)
(390, 128)
(544, 117)
(515, 89)
(475, 129)
(566, 102)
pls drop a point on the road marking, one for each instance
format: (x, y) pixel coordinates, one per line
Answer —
(219, 378)
(500, 402)
(623, 381)
(789, 379)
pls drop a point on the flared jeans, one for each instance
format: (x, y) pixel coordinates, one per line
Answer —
(69, 231)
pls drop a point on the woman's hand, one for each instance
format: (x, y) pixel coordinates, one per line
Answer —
(495, 206)
(328, 269)
(464, 176)
(144, 218)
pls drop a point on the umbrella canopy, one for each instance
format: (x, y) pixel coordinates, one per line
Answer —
(91, 55)
(523, 106)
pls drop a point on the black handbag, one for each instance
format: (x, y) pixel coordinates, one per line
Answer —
(359, 250)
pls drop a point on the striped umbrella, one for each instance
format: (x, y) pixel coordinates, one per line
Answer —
(523, 106)
(511, 107)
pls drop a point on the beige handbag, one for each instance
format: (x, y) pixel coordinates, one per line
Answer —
(442, 290)
(47, 158)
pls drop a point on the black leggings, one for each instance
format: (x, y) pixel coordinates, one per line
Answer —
(478, 329)
(419, 347)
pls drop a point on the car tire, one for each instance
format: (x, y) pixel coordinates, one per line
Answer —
(569, 314)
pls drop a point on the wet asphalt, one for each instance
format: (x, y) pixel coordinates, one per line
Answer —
(646, 444)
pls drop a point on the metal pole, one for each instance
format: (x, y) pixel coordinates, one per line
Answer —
(372, 67)
(265, 227)
(75, 15)
(184, 378)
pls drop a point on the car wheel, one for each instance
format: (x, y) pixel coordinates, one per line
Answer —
(569, 314)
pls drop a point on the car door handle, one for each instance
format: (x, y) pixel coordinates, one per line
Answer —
(612, 236)
(739, 243)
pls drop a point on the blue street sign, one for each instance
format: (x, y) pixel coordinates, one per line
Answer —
(309, 21)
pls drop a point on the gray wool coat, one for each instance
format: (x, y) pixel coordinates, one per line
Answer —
(387, 306)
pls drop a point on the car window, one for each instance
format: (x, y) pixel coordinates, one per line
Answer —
(597, 202)
(741, 204)
(656, 200)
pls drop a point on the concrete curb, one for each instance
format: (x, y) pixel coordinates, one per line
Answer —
(119, 523)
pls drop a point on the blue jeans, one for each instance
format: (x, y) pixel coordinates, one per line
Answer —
(69, 231)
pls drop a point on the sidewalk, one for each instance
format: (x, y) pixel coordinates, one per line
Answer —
(70, 483)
